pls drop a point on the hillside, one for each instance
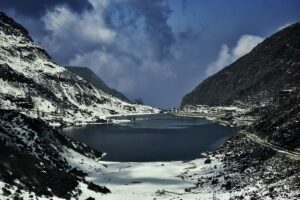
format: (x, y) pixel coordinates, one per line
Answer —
(33, 84)
(256, 77)
(260, 94)
(95, 80)
(34, 160)
(281, 125)
(260, 162)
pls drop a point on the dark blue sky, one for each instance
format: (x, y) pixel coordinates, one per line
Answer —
(155, 49)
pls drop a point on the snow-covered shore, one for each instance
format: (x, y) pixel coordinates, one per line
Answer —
(233, 116)
(107, 119)
(146, 180)
(206, 178)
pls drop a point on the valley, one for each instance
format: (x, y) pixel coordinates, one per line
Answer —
(65, 134)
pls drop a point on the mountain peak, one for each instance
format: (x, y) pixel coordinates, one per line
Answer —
(11, 27)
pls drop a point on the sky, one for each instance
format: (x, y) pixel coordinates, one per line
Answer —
(157, 50)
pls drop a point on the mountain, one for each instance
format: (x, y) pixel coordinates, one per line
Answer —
(36, 162)
(260, 93)
(281, 125)
(272, 66)
(34, 159)
(31, 83)
(90, 76)
(266, 154)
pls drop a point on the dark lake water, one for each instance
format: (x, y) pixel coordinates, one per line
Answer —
(153, 138)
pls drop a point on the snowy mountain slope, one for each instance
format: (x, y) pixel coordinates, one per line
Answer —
(33, 84)
(262, 161)
(33, 159)
(31, 135)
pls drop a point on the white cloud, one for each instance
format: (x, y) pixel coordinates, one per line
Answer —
(117, 54)
(227, 56)
(87, 28)
(245, 44)
(224, 58)
(128, 43)
(58, 20)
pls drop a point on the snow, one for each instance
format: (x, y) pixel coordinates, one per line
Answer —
(231, 115)
(126, 180)
(77, 101)
(7, 88)
(173, 180)
(146, 180)
(156, 180)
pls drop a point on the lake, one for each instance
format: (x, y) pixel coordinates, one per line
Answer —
(153, 138)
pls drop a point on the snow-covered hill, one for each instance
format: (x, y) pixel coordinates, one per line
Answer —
(34, 161)
(33, 84)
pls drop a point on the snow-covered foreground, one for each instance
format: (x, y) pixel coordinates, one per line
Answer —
(141, 180)
(147, 180)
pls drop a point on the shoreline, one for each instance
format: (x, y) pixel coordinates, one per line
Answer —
(105, 122)
(232, 116)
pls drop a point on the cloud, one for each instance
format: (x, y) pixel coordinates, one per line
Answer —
(227, 56)
(98, 26)
(224, 59)
(70, 32)
(154, 15)
(120, 40)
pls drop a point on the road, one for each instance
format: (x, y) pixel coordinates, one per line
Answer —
(290, 153)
